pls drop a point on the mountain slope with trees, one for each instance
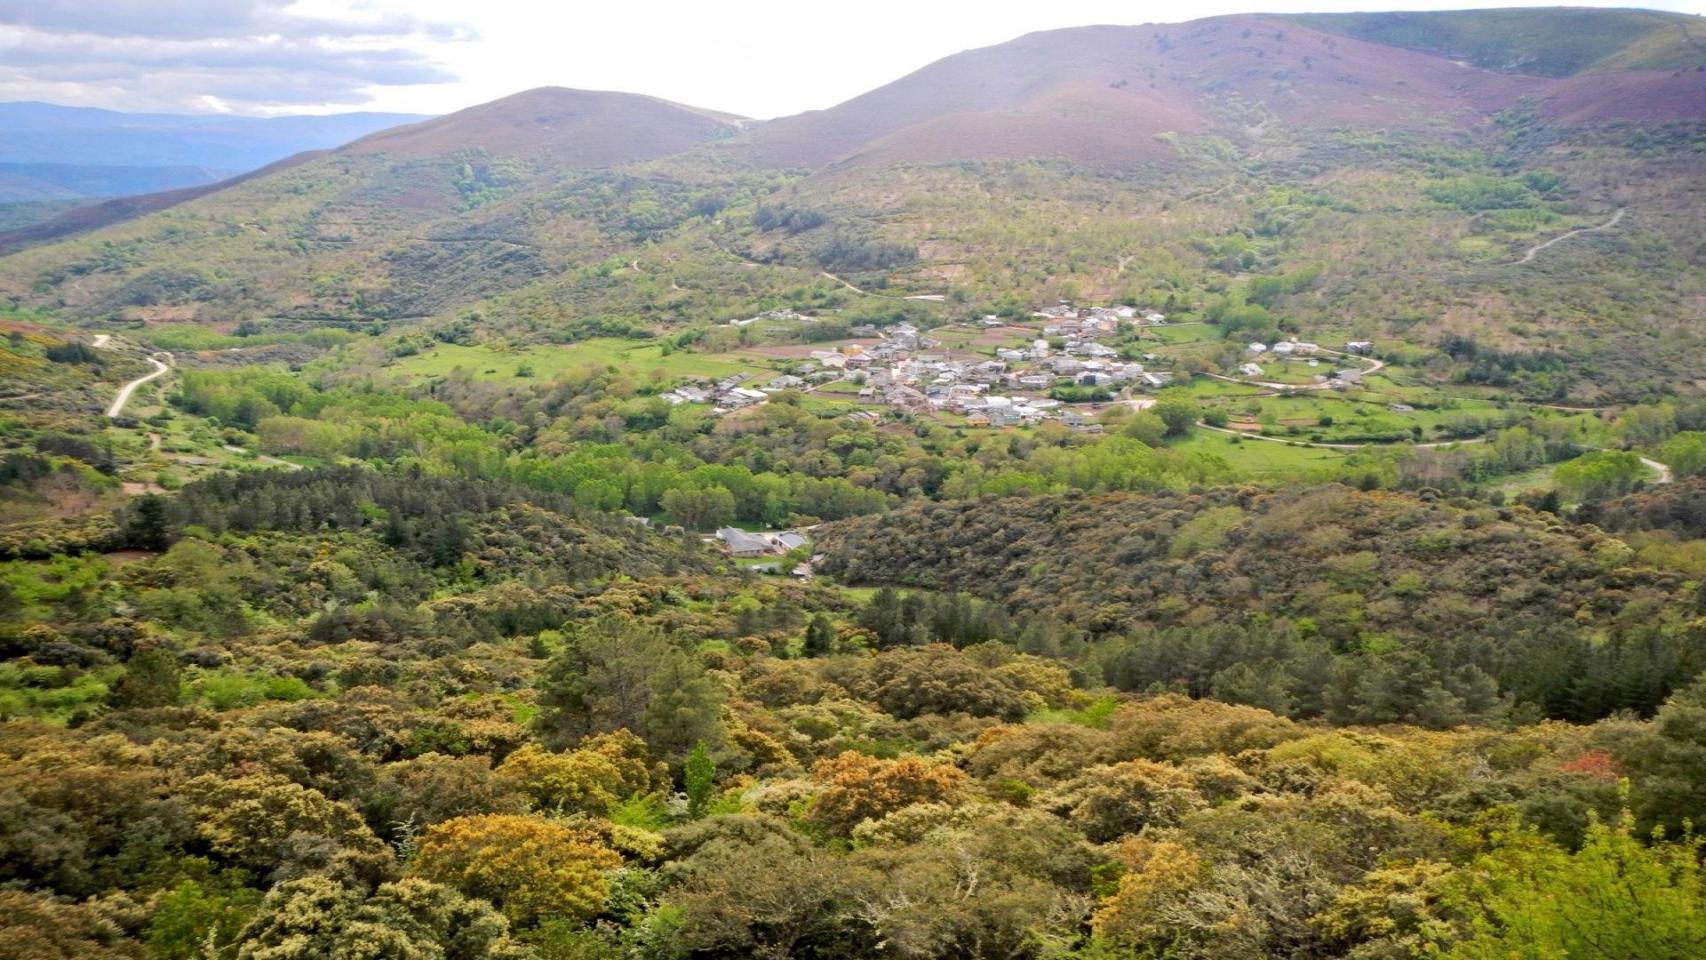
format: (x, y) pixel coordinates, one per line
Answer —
(1048, 167)
(1295, 599)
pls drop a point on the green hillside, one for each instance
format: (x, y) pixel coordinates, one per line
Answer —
(1548, 42)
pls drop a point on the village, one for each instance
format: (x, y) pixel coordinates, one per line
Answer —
(906, 369)
(1040, 370)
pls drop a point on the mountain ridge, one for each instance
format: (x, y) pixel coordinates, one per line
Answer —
(507, 195)
(579, 127)
(1539, 41)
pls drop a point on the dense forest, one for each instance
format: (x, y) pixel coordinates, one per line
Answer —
(1363, 607)
(359, 712)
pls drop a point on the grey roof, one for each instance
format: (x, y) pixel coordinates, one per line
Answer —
(740, 541)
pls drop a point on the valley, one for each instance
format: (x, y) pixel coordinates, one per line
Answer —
(1213, 490)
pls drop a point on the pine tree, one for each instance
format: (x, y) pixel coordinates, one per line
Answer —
(147, 528)
(152, 678)
(820, 637)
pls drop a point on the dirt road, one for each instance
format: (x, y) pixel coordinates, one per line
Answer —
(1252, 435)
(1607, 225)
(125, 391)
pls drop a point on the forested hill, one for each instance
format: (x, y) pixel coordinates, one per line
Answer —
(1380, 587)
(480, 531)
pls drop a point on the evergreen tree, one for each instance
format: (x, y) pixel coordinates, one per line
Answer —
(615, 674)
(147, 527)
(820, 637)
(885, 616)
(152, 678)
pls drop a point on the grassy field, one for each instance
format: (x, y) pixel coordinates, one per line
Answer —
(1540, 478)
(1208, 388)
(1259, 457)
(963, 338)
(1182, 333)
(1352, 418)
(836, 404)
(641, 357)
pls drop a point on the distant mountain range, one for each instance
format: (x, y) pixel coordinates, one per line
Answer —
(54, 156)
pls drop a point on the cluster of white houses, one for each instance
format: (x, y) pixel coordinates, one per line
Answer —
(906, 369)
(1342, 379)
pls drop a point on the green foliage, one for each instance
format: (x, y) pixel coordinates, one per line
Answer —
(481, 180)
(820, 637)
(190, 919)
(1472, 194)
(1050, 694)
(1685, 453)
(152, 678)
(1178, 411)
(1600, 475)
(1614, 897)
(613, 674)
(1360, 607)
(699, 774)
(318, 917)
(231, 691)
(702, 508)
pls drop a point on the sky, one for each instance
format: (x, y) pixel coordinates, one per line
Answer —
(758, 58)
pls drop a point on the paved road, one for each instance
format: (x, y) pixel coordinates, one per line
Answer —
(1607, 225)
(125, 391)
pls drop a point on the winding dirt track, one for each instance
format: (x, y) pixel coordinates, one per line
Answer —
(1663, 472)
(261, 457)
(1252, 435)
(1607, 225)
(125, 391)
(1659, 468)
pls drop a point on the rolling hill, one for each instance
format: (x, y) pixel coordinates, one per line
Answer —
(1435, 147)
(569, 128)
(1101, 95)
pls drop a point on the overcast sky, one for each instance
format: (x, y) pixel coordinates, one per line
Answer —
(761, 58)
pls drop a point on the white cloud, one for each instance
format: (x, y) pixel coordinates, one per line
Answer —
(245, 55)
